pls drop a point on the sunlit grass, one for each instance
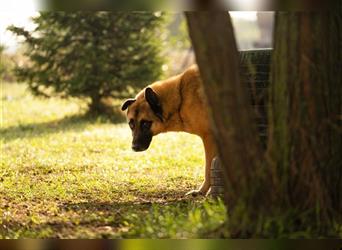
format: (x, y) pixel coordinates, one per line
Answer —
(65, 175)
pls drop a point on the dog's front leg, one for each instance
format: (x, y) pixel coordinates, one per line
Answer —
(210, 153)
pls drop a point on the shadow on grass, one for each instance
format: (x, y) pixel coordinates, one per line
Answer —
(141, 199)
(97, 219)
(69, 123)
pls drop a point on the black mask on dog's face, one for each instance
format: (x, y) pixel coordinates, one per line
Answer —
(142, 114)
(142, 135)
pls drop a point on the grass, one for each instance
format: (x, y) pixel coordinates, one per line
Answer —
(66, 175)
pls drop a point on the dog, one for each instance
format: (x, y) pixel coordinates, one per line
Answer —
(176, 104)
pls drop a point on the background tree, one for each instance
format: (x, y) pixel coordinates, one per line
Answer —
(7, 64)
(2, 66)
(92, 54)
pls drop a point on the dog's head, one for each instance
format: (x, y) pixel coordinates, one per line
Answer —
(145, 118)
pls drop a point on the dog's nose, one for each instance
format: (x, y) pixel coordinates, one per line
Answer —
(137, 148)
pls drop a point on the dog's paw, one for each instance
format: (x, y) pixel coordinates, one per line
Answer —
(195, 193)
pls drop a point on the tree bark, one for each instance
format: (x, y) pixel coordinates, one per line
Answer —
(228, 101)
(299, 186)
(305, 143)
(100, 106)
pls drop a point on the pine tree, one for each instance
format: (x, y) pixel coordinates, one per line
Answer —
(92, 54)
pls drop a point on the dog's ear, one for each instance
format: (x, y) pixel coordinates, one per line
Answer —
(127, 103)
(153, 100)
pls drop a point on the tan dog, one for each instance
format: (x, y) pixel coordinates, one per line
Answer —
(176, 104)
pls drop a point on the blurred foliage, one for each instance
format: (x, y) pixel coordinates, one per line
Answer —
(92, 54)
(177, 47)
(178, 36)
(96, 5)
(7, 64)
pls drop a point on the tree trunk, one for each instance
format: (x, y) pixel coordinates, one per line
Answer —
(232, 116)
(299, 186)
(98, 106)
(305, 143)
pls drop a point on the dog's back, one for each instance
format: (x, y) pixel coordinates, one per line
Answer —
(183, 94)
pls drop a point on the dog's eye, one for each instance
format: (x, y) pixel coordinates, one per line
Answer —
(131, 124)
(145, 124)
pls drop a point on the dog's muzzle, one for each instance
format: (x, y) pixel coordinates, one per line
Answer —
(141, 141)
(139, 148)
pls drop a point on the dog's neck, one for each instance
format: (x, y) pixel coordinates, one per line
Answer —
(173, 103)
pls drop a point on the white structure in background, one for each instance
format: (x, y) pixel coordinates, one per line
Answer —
(253, 29)
(265, 22)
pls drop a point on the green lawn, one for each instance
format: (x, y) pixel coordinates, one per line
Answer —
(66, 175)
